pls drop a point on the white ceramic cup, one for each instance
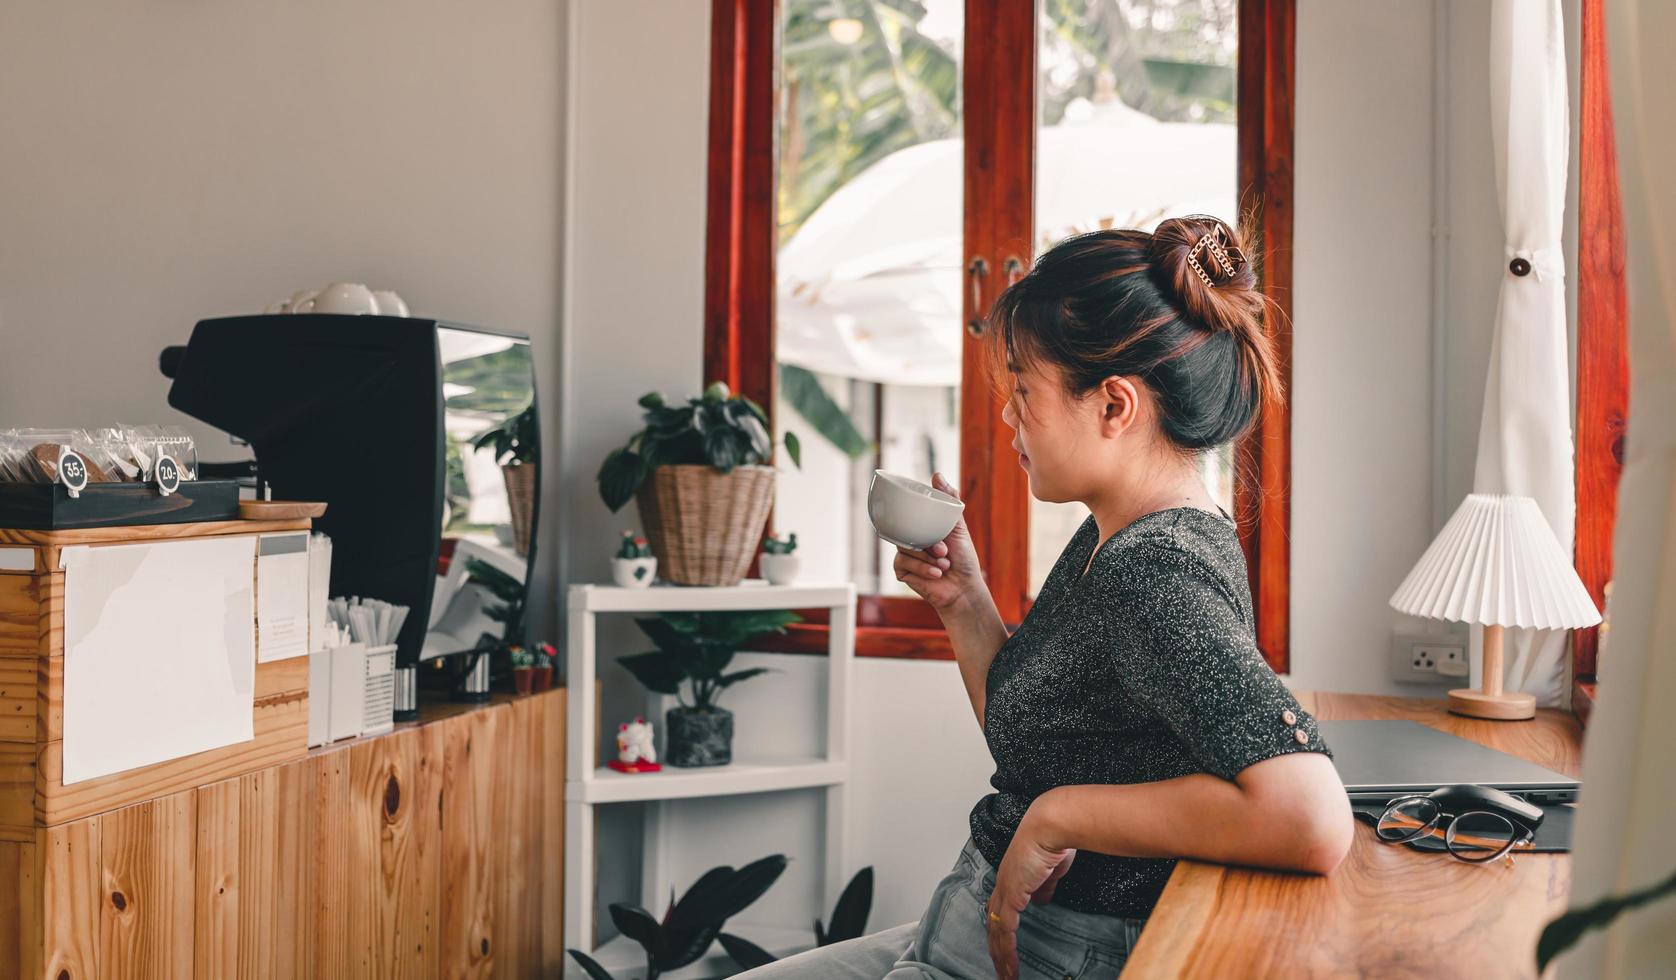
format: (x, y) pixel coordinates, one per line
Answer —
(345, 297)
(908, 513)
(301, 301)
(389, 304)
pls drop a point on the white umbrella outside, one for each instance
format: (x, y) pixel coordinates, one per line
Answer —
(870, 285)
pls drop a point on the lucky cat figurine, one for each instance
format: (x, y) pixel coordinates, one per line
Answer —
(635, 752)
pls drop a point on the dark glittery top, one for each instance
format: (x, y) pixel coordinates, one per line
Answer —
(1145, 668)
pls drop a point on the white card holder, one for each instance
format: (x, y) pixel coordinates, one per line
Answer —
(352, 692)
(378, 693)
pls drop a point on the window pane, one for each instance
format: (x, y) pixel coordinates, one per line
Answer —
(868, 332)
(1136, 125)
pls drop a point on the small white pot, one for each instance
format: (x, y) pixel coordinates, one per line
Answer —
(634, 573)
(778, 569)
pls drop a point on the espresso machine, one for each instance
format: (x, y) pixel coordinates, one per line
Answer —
(392, 422)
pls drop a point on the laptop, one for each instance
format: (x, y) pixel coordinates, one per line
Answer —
(1379, 760)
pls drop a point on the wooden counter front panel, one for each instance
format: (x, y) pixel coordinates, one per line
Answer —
(433, 851)
(32, 714)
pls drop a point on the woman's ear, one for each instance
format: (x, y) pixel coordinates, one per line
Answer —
(1120, 405)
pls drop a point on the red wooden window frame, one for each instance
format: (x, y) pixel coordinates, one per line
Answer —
(1602, 342)
(740, 277)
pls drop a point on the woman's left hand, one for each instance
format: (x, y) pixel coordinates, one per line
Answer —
(1029, 872)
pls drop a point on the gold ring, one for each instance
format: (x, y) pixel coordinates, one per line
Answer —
(994, 918)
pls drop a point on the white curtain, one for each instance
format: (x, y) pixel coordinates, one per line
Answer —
(1524, 438)
(1623, 840)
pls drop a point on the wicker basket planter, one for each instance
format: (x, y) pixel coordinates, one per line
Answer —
(704, 525)
(520, 499)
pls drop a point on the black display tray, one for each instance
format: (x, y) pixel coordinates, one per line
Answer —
(49, 506)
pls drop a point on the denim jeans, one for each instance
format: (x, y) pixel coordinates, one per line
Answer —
(950, 941)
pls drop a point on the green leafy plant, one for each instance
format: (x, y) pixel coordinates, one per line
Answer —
(690, 925)
(778, 546)
(719, 429)
(1563, 933)
(633, 546)
(514, 440)
(803, 392)
(510, 609)
(520, 656)
(697, 647)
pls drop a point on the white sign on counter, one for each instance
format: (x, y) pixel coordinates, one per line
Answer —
(282, 596)
(159, 651)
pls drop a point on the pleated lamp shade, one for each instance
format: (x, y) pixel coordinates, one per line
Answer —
(1497, 563)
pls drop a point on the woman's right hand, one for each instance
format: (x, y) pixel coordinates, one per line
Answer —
(947, 573)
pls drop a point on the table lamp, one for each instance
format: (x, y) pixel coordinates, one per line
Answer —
(1497, 564)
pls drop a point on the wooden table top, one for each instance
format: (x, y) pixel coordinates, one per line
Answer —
(1386, 911)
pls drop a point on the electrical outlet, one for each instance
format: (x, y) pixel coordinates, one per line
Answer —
(1452, 661)
(1415, 659)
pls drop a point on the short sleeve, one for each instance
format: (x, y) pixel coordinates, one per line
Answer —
(1186, 655)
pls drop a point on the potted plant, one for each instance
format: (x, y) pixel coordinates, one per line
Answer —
(509, 610)
(545, 659)
(849, 921)
(690, 925)
(699, 472)
(696, 648)
(778, 560)
(523, 668)
(633, 567)
(515, 445)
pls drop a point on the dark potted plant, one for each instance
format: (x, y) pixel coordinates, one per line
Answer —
(696, 648)
(514, 443)
(690, 925)
(699, 472)
(849, 921)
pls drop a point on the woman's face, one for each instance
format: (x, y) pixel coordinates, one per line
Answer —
(1057, 438)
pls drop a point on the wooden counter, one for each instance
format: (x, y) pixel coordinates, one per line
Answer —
(1386, 911)
(433, 850)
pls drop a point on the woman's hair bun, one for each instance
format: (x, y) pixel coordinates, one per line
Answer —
(1206, 265)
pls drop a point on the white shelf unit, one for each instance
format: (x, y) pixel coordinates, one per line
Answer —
(588, 785)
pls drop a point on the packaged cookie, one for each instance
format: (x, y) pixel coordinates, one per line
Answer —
(142, 443)
(11, 458)
(42, 447)
(182, 450)
(116, 455)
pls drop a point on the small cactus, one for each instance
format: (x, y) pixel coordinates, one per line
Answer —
(633, 546)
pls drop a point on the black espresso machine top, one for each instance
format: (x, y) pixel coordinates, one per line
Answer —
(369, 414)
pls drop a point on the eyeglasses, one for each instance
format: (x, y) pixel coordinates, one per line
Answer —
(1476, 836)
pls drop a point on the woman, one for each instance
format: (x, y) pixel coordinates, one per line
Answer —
(1130, 716)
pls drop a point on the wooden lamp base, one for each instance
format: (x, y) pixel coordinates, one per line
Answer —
(1492, 702)
(1499, 707)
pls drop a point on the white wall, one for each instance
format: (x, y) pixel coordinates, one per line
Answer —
(1361, 398)
(166, 162)
(637, 111)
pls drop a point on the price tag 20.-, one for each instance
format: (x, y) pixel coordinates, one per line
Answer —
(168, 474)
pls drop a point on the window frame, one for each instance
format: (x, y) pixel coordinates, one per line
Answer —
(740, 290)
(1602, 343)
